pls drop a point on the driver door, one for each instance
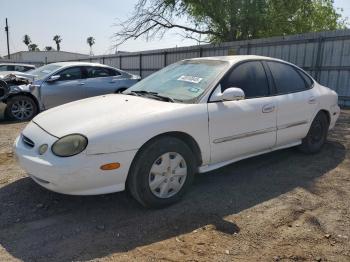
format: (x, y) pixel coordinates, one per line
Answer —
(241, 128)
(69, 87)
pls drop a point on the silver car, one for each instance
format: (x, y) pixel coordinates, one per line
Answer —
(59, 83)
(16, 67)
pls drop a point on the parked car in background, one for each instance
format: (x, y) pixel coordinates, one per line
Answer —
(193, 116)
(59, 83)
(16, 67)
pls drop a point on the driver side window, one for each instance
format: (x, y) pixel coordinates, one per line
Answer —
(72, 73)
(250, 77)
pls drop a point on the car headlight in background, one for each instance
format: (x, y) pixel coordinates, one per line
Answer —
(69, 145)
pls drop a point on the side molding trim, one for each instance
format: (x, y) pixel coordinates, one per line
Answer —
(259, 132)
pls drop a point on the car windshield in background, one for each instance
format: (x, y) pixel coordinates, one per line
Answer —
(44, 71)
(184, 81)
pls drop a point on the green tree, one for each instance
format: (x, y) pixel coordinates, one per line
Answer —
(90, 41)
(48, 48)
(57, 39)
(33, 47)
(27, 40)
(229, 20)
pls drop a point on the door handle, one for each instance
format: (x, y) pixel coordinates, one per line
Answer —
(81, 84)
(312, 100)
(268, 108)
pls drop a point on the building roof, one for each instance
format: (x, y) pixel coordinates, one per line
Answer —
(52, 51)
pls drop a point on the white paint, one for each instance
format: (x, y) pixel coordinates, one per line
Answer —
(117, 126)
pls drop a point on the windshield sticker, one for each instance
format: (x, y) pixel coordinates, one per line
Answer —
(194, 89)
(191, 79)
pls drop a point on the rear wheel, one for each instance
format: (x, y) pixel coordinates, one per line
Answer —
(317, 135)
(21, 108)
(161, 172)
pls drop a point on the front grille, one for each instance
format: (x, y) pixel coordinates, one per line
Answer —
(27, 141)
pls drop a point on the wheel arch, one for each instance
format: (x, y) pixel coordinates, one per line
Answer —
(188, 139)
(120, 89)
(24, 94)
(326, 112)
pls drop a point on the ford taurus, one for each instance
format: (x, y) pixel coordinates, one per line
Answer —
(193, 116)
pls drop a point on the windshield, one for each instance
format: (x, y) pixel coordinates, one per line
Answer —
(183, 81)
(44, 71)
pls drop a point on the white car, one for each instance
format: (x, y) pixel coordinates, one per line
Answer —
(193, 116)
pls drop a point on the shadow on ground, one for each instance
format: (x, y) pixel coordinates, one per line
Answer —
(36, 224)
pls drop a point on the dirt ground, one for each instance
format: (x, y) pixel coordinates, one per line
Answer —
(283, 206)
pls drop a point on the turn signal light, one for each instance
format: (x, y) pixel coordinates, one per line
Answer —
(110, 166)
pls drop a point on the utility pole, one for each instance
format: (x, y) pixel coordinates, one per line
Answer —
(7, 36)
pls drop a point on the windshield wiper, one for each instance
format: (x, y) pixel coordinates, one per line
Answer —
(151, 94)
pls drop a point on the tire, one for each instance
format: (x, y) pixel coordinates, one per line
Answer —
(147, 170)
(4, 90)
(317, 135)
(21, 108)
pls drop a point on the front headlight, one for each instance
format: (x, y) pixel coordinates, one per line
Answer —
(69, 145)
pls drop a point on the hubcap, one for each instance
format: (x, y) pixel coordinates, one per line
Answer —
(22, 109)
(168, 175)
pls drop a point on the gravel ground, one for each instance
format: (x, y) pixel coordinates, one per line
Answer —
(282, 206)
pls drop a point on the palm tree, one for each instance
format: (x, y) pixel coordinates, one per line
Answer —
(33, 47)
(26, 40)
(48, 48)
(90, 41)
(57, 40)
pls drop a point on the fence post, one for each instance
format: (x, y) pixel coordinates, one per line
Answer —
(318, 62)
(120, 62)
(140, 64)
(103, 60)
(165, 58)
(200, 51)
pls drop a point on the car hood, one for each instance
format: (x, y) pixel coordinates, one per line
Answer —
(5, 74)
(98, 115)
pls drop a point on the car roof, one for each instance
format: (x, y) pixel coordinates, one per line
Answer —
(64, 64)
(19, 64)
(237, 58)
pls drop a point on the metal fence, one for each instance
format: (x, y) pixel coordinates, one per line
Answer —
(325, 55)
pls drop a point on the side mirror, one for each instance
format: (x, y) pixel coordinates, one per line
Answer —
(53, 78)
(232, 94)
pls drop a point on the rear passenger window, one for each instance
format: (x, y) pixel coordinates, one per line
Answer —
(309, 82)
(287, 79)
(250, 77)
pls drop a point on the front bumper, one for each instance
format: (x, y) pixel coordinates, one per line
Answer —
(76, 175)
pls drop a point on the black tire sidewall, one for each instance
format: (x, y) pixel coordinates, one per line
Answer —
(138, 180)
(12, 100)
(307, 145)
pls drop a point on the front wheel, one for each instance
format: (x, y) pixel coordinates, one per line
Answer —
(21, 108)
(317, 135)
(161, 172)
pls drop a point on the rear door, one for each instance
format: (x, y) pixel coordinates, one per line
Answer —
(296, 102)
(69, 87)
(102, 80)
(241, 128)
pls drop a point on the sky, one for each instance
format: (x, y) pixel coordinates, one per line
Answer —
(75, 20)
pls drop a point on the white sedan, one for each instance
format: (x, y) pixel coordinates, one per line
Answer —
(193, 116)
